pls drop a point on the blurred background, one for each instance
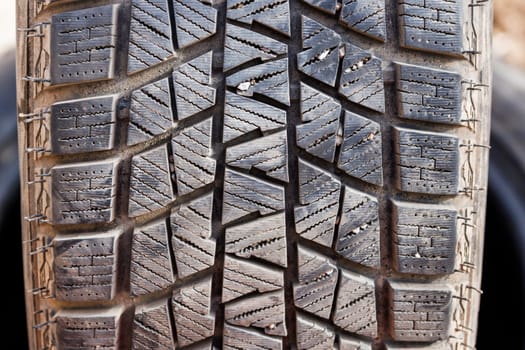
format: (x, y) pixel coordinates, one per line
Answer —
(502, 314)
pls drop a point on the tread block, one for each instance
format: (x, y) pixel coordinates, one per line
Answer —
(151, 269)
(85, 125)
(84, 269)
(243, 45)
(427, 162)
(434, 26)
(191, 227)
(365, 16)
(358, 237)
(83, 193)
(150, 184)
(425, 239)
(264, 238)
(346, 343)
(264, 311)
(317, 277)
(321, 55)
(320, 114)
(271, 13)
(150, 34)
(191, 309)
(83, 45)
(192, 81)
(269, 79)
(86, 332)
(235, 338)
(419, 312)
(150, 112)
(242, 115)
(268, 154)
(244, 194)
(312, 335)
(328, 6)
(151, 329)
(242, 277)
(361, 151)
(355, 309)
(194, 168)
(319, 193)
(194, 21)
(362, 79)
(429, 94)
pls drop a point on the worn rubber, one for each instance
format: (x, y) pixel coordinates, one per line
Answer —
(269, 174)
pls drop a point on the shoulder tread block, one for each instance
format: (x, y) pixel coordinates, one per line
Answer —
(83, 45)
(191, 226)
(355, 309)
(86, 332)
(194, 167)
(192, 81)
(264, 238)
(429, 94)
(268, 154)
(242, 115)
(150, 184)
(151, 329)
(434, 26)
(269, 79)
(320, 114)
(419, 312)
(85, 125)
(264, 311)
(150, 260)
(191, 310)
(84, 269)
(194, 21)
(150, 112)
(150, 34)
(319, 195)
(244, 194)
(243, 45)
(427, 162)
(317, 279)
(358, 237)
(83, 193)
(271, 13)
(424, 239)
(242, 277)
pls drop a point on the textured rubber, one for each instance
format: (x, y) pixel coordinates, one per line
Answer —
(253, 174)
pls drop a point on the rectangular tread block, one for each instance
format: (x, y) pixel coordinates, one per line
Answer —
(83, 45)
(76, 332)
(429, 95)
(427, 162)
(84, 268)
(83, 193)
(419, 312)
(85, 125)
(424, 238)
(434, 26)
